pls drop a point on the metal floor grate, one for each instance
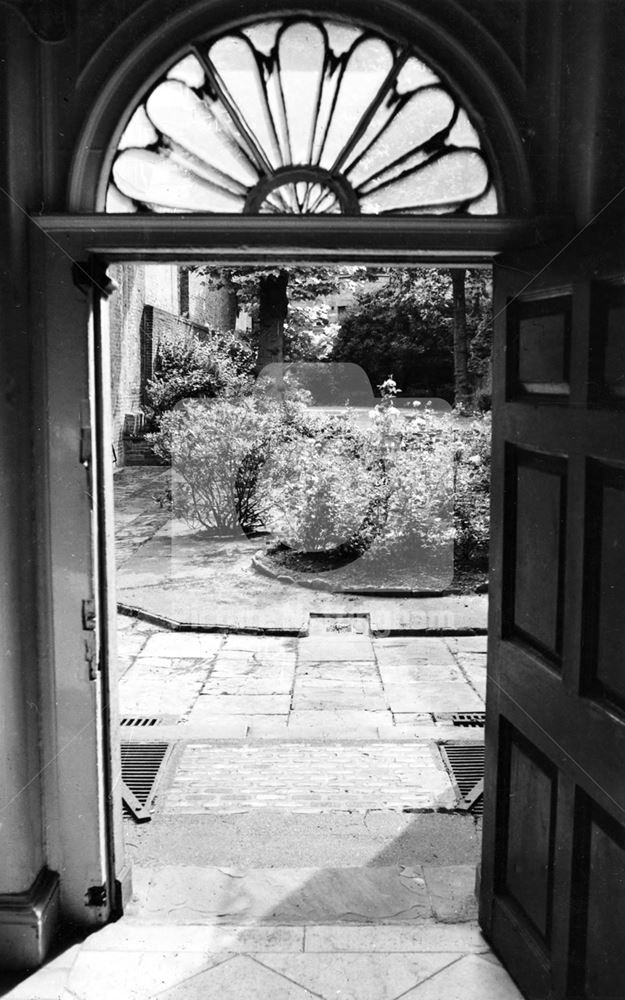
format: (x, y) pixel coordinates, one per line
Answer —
(468, 718)
(139, 720)
(142, 766)
(465, 762)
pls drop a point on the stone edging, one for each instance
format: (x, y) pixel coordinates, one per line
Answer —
(264, 566)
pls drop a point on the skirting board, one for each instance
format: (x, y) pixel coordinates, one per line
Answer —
(28, 921)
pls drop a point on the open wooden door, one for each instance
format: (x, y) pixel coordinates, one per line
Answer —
(553, 874)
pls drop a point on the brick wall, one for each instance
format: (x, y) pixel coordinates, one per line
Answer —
(143, 312)
(125, 314)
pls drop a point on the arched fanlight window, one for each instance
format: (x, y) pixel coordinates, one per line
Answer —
(301, 116)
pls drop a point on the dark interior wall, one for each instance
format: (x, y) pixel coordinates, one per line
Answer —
(19, 759)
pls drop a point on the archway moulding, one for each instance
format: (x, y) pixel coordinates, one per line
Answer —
(483, 78)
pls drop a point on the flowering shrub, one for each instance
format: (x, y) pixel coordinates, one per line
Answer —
(408, 488)
(472, 492)
(217, 448)
(320, 489)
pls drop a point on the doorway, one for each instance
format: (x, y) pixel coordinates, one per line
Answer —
(301, 731)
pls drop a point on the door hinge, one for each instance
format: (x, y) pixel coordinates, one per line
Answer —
(91, 657)
(96, 895)
(88, 615)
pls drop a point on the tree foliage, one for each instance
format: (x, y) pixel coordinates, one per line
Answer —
(405, 325)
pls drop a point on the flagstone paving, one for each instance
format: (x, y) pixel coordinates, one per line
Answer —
(209, 934)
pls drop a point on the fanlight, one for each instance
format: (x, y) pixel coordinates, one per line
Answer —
(301, 116)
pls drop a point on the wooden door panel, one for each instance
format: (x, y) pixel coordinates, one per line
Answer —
(527, 853)
(554, 827)
(536, 526)
(604, 601)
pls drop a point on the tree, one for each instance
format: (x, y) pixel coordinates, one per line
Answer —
(462, 386)
(273, 305)
(291, 320)
(405, 326)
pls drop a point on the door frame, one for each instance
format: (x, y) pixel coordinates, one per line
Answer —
(72, 366)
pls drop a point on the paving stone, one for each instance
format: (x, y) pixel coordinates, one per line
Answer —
(244, 678)
(265, 646)
(430, 652)
(161, 686)
(183, 644)
(452, 892)
(124, 935)
(341, 724)
(467, 643)
(420, 673)
(345, 672)
(346, 647)
(294, 896)
(240, 978)
(208, 726)
(357, 976)
(321, 695)
(268, 727)
(426, 937)
(472, 977)
(46, 984)
(454, 696)
(110, 975)
(473, 666)
(240, 704)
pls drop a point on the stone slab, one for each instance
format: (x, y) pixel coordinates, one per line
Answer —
(341, 724)
(239, 704)
(200, 645)
(407, 651)
(365, 977)
(452, 892)
(315, 648)
(294, 896)
(445, 697)
(429, 936)
(472, 977)
(124, 935)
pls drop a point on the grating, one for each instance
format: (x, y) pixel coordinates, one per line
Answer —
(142, 766)
(465, 762)
(468, 718)
(139, 720)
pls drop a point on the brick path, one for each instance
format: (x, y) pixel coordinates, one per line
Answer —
(304, 777)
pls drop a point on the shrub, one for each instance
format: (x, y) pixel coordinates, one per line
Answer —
(188, 368)
(404, 491)
(320, 490)
(217, 449)
(472, 492)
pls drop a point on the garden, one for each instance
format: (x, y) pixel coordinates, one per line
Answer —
(389, 493)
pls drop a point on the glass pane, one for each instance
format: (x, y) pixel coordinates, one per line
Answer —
(425, 113)
(241, 82)
(148, 177)
(448, 181)
(179, 114)
(365, 73)
(302, 53)
(300, 115)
